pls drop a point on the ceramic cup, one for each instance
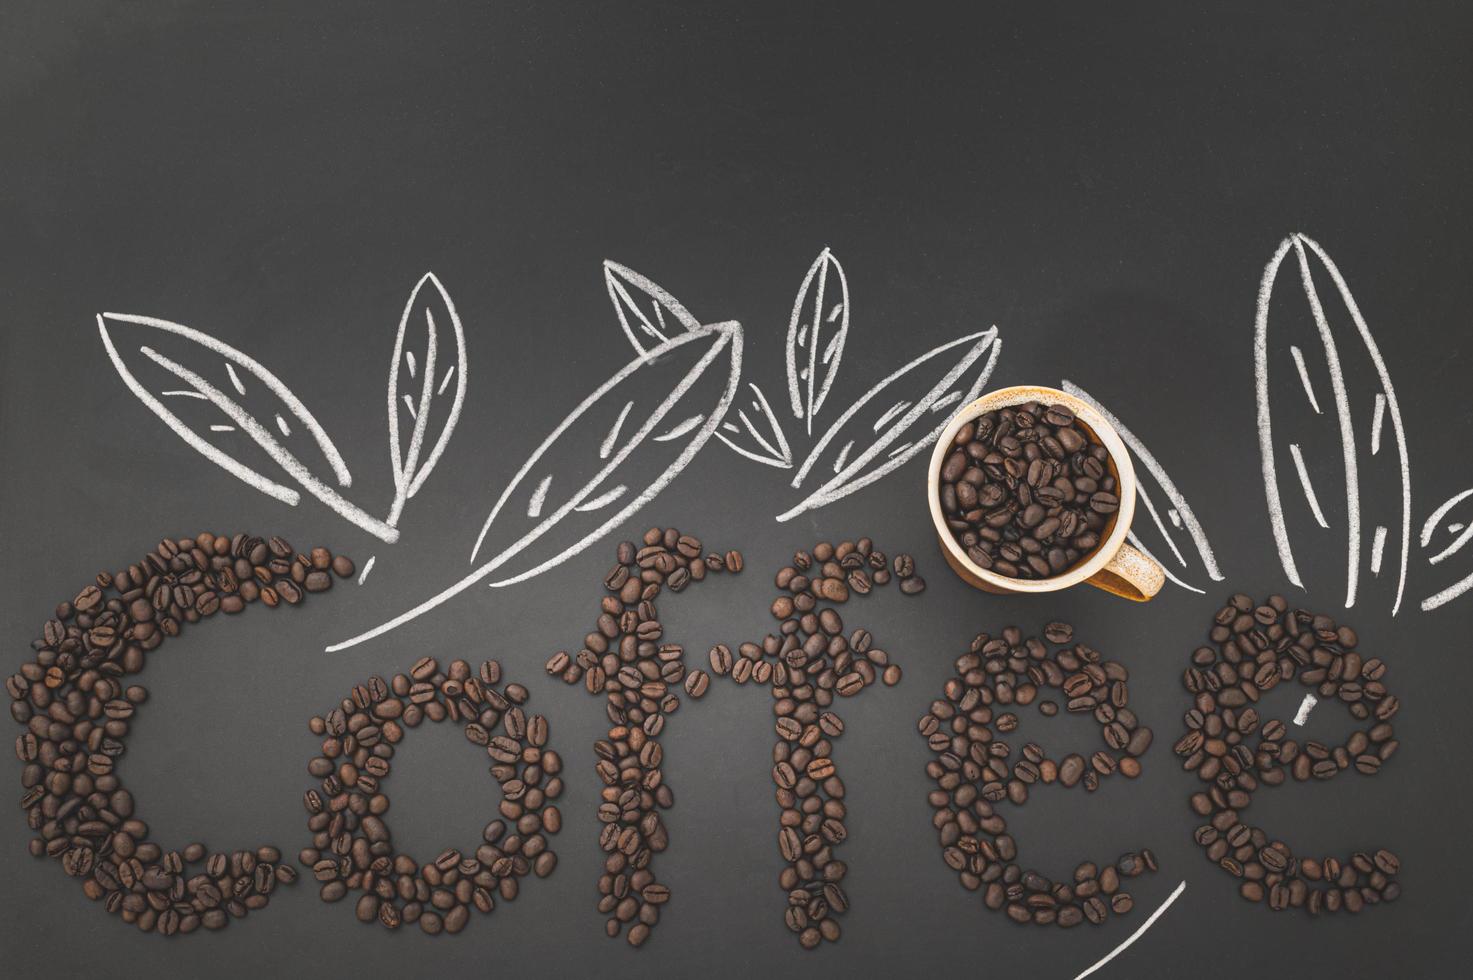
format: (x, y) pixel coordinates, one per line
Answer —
(1113, 566)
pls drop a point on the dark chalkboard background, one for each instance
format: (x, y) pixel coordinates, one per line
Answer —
(1104, 183)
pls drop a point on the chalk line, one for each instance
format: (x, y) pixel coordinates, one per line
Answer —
(1140, 546)
(1347, 430)
(1138, 933)
(1448, 594)
(1378, 546)
(1309, 495)
(1265, 420)
(680, 429)
(607, 446)
(1185, 516)
(602, 500)
(1304, 378)
(235, 379)
(1140, 492)
(1377, 416)
(539, 497)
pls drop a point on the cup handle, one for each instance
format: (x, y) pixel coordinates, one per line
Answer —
(1130, 574)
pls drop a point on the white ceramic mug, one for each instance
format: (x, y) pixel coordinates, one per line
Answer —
(1113, 566)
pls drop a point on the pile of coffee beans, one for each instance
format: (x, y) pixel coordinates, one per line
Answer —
(806, 665)
(1252, 649)
(975, 770)
(1027, 490)
(627, 659)
(352, 848)
(76, 707)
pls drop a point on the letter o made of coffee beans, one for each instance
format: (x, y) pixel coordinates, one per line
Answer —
(76, 705)
(1252, 649)
(352, 850)
(976, 770)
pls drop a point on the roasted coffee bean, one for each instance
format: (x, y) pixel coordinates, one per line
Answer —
(972, 773)
(84, 816)
(394, 887)
(1027, 490)
(1285, 645)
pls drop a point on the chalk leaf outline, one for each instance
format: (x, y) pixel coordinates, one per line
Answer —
(642, 306)
(1385, 405)
(410, 472)
(920, 419)
(764, 439)
(1179, 513)
(214, 357)
(817, 332)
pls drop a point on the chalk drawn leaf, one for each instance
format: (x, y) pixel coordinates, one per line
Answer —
(757, 434)
(896, 419)
(281, 425)
(817, 331)
(616, 438)
(1301, 387)
(1180, 523)
(1454, 537)
(648, 314)
(424, 387)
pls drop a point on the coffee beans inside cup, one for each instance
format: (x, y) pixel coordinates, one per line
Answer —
(1027, 490)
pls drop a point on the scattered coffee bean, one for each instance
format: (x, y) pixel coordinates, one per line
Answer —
(1028, 491)
(974, 770)
(1253, 648)
(352, 847)
(76, 710)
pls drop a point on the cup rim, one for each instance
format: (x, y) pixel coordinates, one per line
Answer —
(1114, 445)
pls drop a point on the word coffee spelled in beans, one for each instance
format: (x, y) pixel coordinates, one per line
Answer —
(976, 771)
(77, 708)
(352, 848)
(1254, 648)
(1027, 490)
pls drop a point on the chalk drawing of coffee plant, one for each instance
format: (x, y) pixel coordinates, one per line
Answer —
(891, 422)
(634, 434)
(1331, 398)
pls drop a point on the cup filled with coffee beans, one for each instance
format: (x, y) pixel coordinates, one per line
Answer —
(1032, 491)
